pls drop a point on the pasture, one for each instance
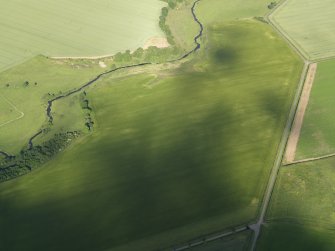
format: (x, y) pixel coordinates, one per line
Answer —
(301, 214)
(227, 10)
(175, 153)
(28, 87)
(73, 29)
(309, 25)
(9, 112)
(209, 12)
(304, 193)
(292, 237)
(317, 136)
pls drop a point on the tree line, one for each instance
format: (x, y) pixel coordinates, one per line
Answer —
(32, 158)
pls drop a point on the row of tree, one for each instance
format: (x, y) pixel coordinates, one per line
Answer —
(30, 159)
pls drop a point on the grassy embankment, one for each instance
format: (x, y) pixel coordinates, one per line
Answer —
(175, 153)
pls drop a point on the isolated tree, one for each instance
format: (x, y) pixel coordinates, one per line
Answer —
(165, 11)
(171, 4)
(138, 53)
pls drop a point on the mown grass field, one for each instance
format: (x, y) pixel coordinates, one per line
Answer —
(209, 12)
(226, 10)
(309, 25)
(60, 28)
(8, 111)
(317, 136)
(301, 214)
(183, 34)
(305, 193)
(293, 237)
(175, 154)
(51, 78)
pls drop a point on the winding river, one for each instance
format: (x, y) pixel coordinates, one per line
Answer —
(50, 102)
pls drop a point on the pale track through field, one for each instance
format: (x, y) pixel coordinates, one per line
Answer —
(15, 108)
(280, 154)
(299, 117)
(310, 159)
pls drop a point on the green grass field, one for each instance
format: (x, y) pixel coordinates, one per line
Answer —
(294, 237)
(175, 153)
(51, 77)
(226, 10)
(183, 34)
(60, 28)
(301, 214)
(305, 193)
(317, 136)
(209, 12)
(9, 112)
(309, 25)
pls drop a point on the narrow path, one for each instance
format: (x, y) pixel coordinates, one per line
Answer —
(281, 149)
(15, 108)
(310, 159)
(87, 57)
(299, 117)
(211, 238)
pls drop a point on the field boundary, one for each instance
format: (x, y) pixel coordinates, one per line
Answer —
(210, 238)
(278, 161)
(281, 32)
(300, 114)
(15, 108)
(310, 159)
(83, 57)
(284, 34)
(290, 121)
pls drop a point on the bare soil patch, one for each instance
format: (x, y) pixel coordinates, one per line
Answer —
(299, 117)
(159, 42)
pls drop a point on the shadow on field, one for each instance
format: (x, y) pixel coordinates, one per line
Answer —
(272, 103)
(295, 237)
(224, 56)
(139, 185)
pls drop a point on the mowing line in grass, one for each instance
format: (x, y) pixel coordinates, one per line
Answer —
(310, 159)
(15, 108)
